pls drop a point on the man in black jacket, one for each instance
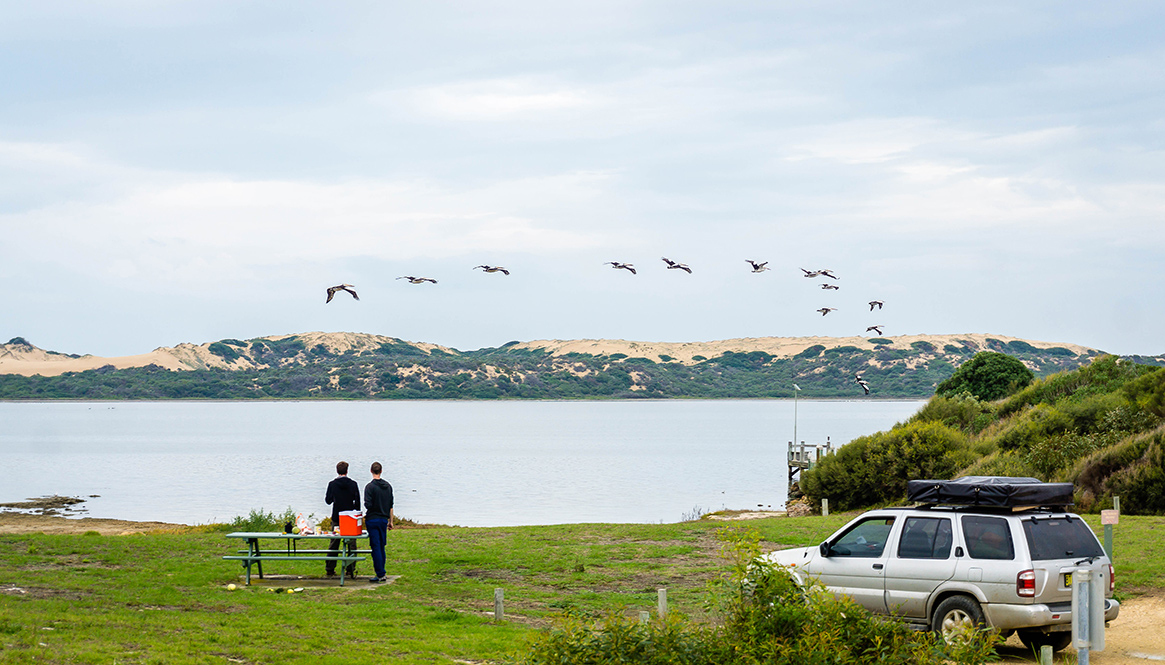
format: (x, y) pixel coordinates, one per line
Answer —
(343, 494)
(378, 518)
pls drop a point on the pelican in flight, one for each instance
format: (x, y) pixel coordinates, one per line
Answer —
(343, 287)
(827, 310)
(861, 382)
(493, 269)
(622, 266)
(758, 267)
(830, 286)
(876, 303)
(877, 329)
(810, 273)
(418, 280)
(827, 273)
(674, 265)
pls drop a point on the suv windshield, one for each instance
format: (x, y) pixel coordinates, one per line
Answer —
(1060, 538)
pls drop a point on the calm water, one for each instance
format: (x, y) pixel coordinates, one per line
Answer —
(466, 463)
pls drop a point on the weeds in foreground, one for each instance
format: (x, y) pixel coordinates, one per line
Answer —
(767, 618)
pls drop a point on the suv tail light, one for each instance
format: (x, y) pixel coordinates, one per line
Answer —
(1025, 584)
(1111, 578)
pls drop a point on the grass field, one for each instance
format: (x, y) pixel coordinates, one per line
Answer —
(162, 597)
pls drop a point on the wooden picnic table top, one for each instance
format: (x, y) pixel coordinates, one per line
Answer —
(274, 535)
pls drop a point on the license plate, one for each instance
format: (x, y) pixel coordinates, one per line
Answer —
(1068, 580)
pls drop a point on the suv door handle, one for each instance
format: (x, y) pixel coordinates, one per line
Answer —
(877, 566)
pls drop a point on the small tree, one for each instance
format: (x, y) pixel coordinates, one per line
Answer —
(987, 376)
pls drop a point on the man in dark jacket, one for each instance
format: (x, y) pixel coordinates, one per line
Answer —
(343, 495)
(378, 518)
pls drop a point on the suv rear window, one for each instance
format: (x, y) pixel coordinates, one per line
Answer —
(988, 538)
(1060, 538)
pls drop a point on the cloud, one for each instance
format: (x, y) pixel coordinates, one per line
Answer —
(197, 230)
(491, 100)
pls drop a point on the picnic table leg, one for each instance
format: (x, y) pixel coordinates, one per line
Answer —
(259, 562)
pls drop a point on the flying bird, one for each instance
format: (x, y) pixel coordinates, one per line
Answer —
(674, 265)
(827, 310)
(343, 287)
(622, 266)
(828, 273)
(877, 329)
(418, 280)
(810, 273)
(493, 269)
(830, 286)
(862, 382)
(758, 267)
(876, 303)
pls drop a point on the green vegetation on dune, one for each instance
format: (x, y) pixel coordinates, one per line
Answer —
(286, 368)
(1101, 427)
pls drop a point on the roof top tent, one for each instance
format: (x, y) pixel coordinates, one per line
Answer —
(992, 491)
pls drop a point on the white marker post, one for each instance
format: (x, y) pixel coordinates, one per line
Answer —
(1087, 614)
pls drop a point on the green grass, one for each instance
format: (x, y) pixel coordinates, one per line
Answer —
(162, 598)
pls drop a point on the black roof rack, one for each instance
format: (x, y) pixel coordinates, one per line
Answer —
(991, 491)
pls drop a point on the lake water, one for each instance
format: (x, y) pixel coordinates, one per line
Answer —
(464, 463)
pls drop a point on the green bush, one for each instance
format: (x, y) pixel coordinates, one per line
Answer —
(962, 412)
(873, 470)
(258, 520)
(811, 352)
(987, 376)
(1029, 427)
(223, 351)
(1148, 392)
(1133, 468)
(1001, 463)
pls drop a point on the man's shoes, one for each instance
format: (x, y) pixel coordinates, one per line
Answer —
(375, 580)
(351, 572)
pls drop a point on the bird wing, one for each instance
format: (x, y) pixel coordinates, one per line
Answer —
(685, 268)
(669, 262)
(331, 294)
(628, 266)
(504, 271)
(353, 293)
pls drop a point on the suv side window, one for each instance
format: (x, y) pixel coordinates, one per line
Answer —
(988, 537)
(865, 539)
(925, 538)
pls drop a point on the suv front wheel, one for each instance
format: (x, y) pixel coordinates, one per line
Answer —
(957, 619)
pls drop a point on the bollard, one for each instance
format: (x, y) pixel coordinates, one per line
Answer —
(644, 616)
(499, 605)
(825, 507)
(662, 593)
(1046, 654)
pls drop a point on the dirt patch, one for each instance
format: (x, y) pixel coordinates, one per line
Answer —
(732, 515)
(39, 592)
(1135, 638)
(12, 523)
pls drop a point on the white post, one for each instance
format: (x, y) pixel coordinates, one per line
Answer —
(825, 507)
(1046, 654)
(644, 616)
(499, 605)
(662, 593)
(1081, 592)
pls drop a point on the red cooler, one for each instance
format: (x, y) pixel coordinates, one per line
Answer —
(351, 523)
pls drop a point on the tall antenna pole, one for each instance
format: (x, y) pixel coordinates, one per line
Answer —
(796, 389)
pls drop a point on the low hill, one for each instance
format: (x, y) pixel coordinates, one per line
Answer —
(355, 365)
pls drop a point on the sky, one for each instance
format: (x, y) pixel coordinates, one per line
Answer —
(176, 171)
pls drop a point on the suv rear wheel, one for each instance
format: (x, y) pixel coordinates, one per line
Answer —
(1034, 639)
(957, 619)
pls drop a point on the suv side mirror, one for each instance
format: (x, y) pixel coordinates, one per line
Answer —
(824, 549)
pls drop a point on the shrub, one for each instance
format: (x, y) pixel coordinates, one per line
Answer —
(987, 376)
(223, 351)
(962, 412)
(1134, 468)
(873, 470)
(811, 352)
(878, 341)
(925, 347)
(1001, 463)
(1148, 392)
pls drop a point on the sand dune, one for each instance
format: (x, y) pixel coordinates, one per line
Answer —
(26, 359)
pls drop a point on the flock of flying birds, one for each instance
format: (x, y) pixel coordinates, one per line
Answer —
(757, 267)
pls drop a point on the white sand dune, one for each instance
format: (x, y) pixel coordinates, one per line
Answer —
(28, 360)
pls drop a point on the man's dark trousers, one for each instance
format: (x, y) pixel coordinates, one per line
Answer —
(377, 539)
(330, 565)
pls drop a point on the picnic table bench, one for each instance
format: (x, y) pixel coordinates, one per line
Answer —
(255, 555)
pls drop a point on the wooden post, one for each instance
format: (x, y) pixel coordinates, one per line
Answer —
(644, 616)
(662, 602)
(1046, 654)
(499, 605)
(825, 507)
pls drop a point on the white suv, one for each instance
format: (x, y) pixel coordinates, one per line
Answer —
(955, 568)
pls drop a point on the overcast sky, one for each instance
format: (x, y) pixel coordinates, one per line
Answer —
(190, 171)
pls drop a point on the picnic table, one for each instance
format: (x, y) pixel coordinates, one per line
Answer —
(289, 550)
